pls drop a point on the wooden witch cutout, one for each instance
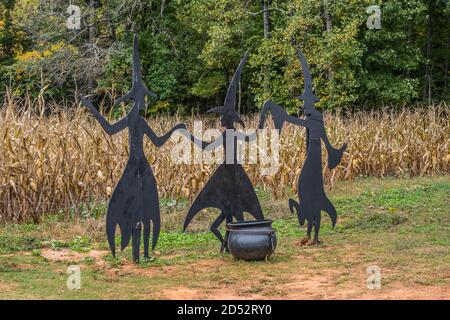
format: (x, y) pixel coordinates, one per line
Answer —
(134, 202)
(229, 189)
(310, 188)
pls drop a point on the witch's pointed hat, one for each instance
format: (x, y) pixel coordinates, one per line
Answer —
(137, 74)
(138, 88)
(228, 111)
(308, 95)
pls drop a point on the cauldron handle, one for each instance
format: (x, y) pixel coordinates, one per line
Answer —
(272, 246)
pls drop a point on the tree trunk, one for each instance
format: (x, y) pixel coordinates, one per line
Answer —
(326, 14)
(446, 60)
(267, 23)
(91, 40)
(427, 84)
(8, 42)
(328, 27)
(265, 4)
(427, 95)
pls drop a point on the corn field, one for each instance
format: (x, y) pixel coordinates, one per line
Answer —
(50, 160)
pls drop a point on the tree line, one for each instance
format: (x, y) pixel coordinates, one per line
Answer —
(361, 52)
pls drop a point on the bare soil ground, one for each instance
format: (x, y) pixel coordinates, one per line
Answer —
(335, 283)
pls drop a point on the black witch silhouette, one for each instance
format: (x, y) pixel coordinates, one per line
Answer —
(229, 189)
(134, 202)
(310, 189)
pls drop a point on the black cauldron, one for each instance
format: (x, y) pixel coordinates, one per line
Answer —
(251, 240)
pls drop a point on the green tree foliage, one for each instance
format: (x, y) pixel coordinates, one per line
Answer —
(7, 31)
(190, 48)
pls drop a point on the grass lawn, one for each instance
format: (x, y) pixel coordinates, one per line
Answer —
(401, 226)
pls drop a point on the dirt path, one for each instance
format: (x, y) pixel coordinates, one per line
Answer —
(215, 283)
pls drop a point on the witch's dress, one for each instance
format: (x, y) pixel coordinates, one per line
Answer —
(229, 188)
(135, 199)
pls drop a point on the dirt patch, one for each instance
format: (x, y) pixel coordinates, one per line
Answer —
(401, 292)
(23, 266)
(312, 287)
(70, 255)
(208, 265)
(132, 269)
(226, 279)
(129, 268)
(181, 294)
(7, 287)
(307, 284)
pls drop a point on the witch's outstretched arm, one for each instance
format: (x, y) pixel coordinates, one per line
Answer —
(159, 141)
(262, 121)
(280, 116)
(109, 128)
(334, 155)
(297, 121)
(208, 146)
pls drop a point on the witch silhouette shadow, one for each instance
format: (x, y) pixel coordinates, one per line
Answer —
(311, 193)
(229, 189)
(134, 202)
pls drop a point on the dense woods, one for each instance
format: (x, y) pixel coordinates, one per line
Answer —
(191, 47)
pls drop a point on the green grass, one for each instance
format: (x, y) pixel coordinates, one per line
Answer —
(401, 225)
